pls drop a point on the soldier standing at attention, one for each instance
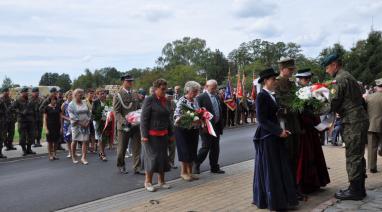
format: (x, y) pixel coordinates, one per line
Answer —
(125, 101)
(284, 91)
(347, 101)
(26, 121)
(11, 117)
(3, 114)
(37, 101)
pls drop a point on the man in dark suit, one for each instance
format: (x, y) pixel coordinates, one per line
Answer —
(210, 144)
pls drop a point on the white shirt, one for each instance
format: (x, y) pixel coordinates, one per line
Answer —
(271, 93)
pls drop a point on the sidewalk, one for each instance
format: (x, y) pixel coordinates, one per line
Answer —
(233, 192)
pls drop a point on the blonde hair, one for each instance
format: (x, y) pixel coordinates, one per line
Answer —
(78, 90)
(68, 93)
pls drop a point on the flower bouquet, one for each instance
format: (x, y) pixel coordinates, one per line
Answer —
(315, 96)
(191, 118)
(133, 119)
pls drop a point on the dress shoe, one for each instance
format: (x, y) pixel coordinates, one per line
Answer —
(30, 152)
(2, 156)
(60, 148)
(85, 162)
(196, 169)
(186, 177)
(373, 171)
(123, 170)
(149, 187)
(10, 148)
(37, 145)
(164, 186)
(139, 173)
(218, 171)
(356, 191)
(25, 153)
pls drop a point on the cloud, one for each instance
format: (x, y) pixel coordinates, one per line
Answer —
(155, 13)
(253, 8)
(262, 27)
(310, 39)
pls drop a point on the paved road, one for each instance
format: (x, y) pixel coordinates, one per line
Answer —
(41, 185)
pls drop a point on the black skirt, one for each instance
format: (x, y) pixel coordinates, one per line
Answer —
(187, 144)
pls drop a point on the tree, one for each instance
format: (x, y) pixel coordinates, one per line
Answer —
(7, 83)
(49, 79)
(64, 82)
(188, 51)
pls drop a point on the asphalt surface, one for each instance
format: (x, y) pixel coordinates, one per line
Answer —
(41, 185)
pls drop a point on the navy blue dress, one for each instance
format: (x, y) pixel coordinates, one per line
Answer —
(273, 185)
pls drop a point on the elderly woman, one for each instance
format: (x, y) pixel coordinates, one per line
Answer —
(52, 117)
(67, 131)
(79, 114)
(187, 139)
(273, 185)
(156, 130)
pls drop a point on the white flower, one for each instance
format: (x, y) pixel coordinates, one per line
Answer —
(192, 114)
(188, 112)
(196, 118)
(304, 93)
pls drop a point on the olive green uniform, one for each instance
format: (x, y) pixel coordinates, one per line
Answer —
(2, 124)
(37, 102)
(11, 119)
(26, 122)
(284, 92)
(347, 101)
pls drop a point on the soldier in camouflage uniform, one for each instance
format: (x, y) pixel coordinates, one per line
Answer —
(10, 120)
(284, 92)
(347, 101)
(3, 112)
(37, 101)
(26, 121)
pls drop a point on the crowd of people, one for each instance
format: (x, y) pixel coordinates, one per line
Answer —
(289, 160)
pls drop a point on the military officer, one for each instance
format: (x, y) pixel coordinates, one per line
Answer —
(26, 121)
(125, 101)
(347, 101)
(36, 100)
(285, 89)
(3, 118)
(374, 110)
(10, 120)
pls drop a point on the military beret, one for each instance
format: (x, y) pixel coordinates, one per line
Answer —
(378, 82)
(24, 89)
(127, 77)
(53, 90)
(6, 89)
(170, 92)
(35, 89)
(287, 62)
(329, 59)
(304, 73)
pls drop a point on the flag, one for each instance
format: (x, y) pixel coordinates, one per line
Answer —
(239, 88)
(254, 88)
(228, 97)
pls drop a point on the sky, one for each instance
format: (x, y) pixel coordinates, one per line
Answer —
(68, 36)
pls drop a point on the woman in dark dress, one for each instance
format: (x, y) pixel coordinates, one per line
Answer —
(273, 185)
(52, 115)
(156, 130)
(187, 139)
(312, 172)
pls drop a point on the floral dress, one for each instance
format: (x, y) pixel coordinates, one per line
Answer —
(79, 113)
(67, 126)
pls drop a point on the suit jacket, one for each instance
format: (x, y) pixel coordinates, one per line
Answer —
(155, 116)
(204, 100)
(374, 109)
(266, 114)
(121, 109)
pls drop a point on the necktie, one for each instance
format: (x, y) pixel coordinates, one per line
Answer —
(215, 105)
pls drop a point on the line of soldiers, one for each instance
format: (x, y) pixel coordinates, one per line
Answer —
(26, 110)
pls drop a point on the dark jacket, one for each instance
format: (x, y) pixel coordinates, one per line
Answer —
(266, 114)
(155, 116)
(205, 101)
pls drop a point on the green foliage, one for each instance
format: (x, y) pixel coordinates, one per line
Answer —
(7, 83)
(55, 79)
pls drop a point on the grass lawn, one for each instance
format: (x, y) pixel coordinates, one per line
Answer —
(17, 135)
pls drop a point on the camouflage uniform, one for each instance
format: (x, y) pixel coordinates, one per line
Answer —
(37, 102)
(10, 123)
(283, 93)
(347, 101)
(26, 121)
(2, 125)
